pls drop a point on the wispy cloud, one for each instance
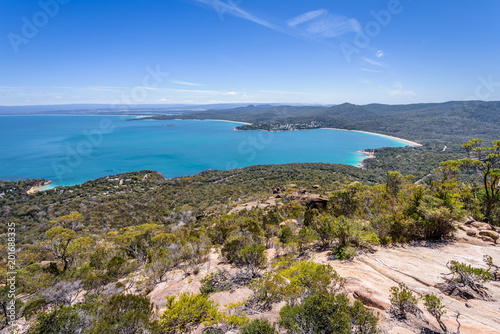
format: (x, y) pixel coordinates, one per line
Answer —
(313, 25)
(282, 92)
(230, 8)
(374, 62)
(306, 17)
(185, 83)
(398, 90)
(323, 24)
(370, 70)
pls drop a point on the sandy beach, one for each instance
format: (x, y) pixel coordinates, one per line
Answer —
(39, 187)
(409, 142)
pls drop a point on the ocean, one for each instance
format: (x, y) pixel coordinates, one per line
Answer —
(73, 149)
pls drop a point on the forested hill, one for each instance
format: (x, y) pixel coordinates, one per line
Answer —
(430, 122)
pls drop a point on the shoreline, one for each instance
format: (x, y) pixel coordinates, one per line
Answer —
(39, 187)
(409, 142)
(367, 155)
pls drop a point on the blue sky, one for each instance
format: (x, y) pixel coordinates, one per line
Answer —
(217, 51)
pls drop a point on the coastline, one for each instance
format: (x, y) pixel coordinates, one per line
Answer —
(367, 155)
(409, 142)
(38, 187)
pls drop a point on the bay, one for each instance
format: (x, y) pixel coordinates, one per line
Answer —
(73, 149)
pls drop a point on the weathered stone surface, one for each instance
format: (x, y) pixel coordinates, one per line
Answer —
(487, 239)
(470, 232)
(400, 330)
(482, 226)
(491, 234)
(371, 300)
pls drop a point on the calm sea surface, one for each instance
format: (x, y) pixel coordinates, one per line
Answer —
(74, 149)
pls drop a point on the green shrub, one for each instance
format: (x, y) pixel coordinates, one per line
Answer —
(328, 313)
(62, 320)
(294, 282)
(125, 313)
(434, 306)
(286, 235)
(467, 281)
(403, 301)
(324, 230)
(259, 326)
(253, 256)
(33, 307)
(115, 266)
(215, 282)
(232, 248)
(345, 252)
(187, 312)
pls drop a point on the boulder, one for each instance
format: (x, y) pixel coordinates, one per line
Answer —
(469, 220)
(491, 234)
(482, 226)
(487, 239)
(470, 232)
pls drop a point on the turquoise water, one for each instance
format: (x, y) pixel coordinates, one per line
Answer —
(74, 149)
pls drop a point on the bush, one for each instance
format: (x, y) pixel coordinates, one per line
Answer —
(187, 312)
(467, 281)
(328, 313)
(33, 307)
(297, 281)
(114, 266)
(215, 282)
(62, 320)
(232, 248)
(259, 326)
(403, 301)
(324, 230)
(125, 314)
(253, 256)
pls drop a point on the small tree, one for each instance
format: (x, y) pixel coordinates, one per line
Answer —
(435, 308)
(485, 161)
(324, 230)
(63, 245)
(403, 301)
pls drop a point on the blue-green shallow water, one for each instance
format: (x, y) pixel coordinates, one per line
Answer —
(74, 149)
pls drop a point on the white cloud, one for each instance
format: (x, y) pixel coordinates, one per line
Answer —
(185, 83)
(313, 25)
(322, 24)
(400, 91)
(374, 62)
(380, 54)
(229, 8)
(370, 70)
(282, 92)
(306, 17)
